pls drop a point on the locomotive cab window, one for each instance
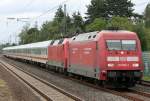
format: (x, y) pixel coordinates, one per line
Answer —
(121, 44)
(113, 44)
(128, 44)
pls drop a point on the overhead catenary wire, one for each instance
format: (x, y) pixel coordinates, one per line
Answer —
(24, 7)
(28, 19)
(55, 7)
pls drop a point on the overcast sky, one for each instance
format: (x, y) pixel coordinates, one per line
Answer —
(34, 8)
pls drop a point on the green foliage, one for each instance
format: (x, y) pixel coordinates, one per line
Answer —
(59, 15)
(97, 9)
(97, 25)
(147, 37)
(29, 35)
(108, 8)
(121, 22)
(23, 35)
(141, 32)
(122, 8)
(147, 16)
(78, 23)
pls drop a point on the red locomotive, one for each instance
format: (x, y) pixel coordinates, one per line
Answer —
(112, 57)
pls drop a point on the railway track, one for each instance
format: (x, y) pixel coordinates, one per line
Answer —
(130, 94)
(145, 83)
(46, 90)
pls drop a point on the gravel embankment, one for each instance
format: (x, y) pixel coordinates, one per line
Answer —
(19, 92)
(84, 92)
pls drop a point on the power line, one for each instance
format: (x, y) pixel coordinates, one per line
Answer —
(50, 9)
(22, 18)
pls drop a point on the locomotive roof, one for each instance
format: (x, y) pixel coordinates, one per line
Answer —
(59, 41)
(118, 31)
(93, 35)
(85, 36)
(32, 45)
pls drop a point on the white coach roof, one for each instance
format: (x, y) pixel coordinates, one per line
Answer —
(43, 44)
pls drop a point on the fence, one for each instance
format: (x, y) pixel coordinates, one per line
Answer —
(146, 62)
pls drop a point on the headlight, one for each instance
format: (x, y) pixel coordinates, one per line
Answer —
(112, 58)
(110, 65)
(135, 65)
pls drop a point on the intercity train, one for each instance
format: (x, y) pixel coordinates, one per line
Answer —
(110, 57)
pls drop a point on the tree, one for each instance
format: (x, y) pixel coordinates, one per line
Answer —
(67, 25)
(48, 30)
(58, 20)
(23, 34)
(33, 35)
(121, 22)
(97, 25)
(78, 22)
(96, 9)
(29, 35)
(141, 32)
(121, 8)
(147, 37)
(108, 8)
(147, 16)
(59, 15)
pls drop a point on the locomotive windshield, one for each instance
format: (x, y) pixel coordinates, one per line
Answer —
(128, 44)
(114, 44)
(121, 44)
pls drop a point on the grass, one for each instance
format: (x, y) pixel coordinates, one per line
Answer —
(146, 78)
(2, 83)
(5, 93)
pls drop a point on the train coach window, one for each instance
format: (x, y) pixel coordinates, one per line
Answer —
(44, 51)
(128, 44)
(113, 44)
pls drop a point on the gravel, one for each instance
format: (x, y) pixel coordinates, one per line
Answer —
(84, 92)
(20, 92)
(142, 88)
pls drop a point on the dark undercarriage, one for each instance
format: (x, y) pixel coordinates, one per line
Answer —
(123, 79)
